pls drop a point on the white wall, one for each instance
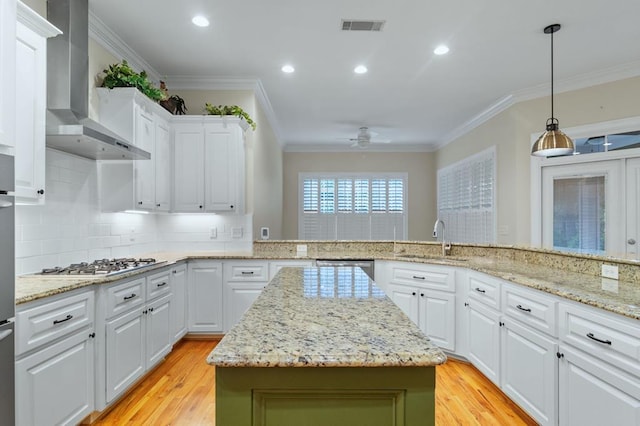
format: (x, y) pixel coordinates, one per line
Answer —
(69, 227)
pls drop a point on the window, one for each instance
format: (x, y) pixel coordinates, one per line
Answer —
(344, 206)
(466, 193)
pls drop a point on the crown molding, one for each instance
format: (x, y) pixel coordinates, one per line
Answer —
(581, 81)
(483, 117)
(106, 38)
(181, 82)
(186, 82)
(32, 20)
(347, 148)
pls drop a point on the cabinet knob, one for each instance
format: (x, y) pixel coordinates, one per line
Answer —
(413, 294)
(92, 335)
(140, 202)
(157, 205)
(200, 206)
(421, 294)
(231, 206)
(466, 304)
(40, 191)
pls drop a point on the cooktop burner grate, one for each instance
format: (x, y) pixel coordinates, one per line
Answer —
(102, 267)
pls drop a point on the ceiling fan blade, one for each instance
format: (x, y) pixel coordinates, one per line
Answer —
(378, 140)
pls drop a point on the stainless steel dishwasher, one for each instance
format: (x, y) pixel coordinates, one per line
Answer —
(367, 265)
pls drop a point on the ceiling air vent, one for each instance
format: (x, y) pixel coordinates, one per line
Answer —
(352, 25)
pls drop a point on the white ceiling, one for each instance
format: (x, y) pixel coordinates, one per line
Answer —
(409, 95)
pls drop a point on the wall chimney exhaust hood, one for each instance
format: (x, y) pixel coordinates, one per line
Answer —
(69, 127)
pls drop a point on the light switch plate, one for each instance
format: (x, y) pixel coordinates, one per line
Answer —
(213, 233)
(610, 271)
(236, 232)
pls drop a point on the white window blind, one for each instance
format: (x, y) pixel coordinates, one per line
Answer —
(352, 206)
(466, 194)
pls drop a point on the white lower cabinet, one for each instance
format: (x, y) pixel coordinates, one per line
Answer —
(125, 352)
(483, 339)
(55, 385)
(433, 311)
(529, 370)
(436, 317)
(205, 297)
(244, 280)
(54, 369)
(179, 303)
(593, 393)
(140, 337)
(158, 330)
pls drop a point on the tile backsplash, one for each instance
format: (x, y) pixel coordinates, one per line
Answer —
(70, 227)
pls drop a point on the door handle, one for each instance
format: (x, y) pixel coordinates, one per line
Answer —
(5, 334)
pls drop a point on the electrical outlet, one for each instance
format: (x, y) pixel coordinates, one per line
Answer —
(610, 271)
(301, 250)
(213, 233)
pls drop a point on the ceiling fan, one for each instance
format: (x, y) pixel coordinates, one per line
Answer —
(366, 137)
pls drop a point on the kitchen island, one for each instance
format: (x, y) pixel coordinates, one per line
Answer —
(325, 346)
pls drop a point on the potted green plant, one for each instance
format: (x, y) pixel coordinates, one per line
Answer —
(122, 75)
(229, 110)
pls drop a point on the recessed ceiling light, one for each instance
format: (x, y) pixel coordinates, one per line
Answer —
(360, 69)
(200, 21)
(441, 50)
(288, 69)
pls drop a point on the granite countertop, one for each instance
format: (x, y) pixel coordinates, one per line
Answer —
(620, 297)
(324, 317)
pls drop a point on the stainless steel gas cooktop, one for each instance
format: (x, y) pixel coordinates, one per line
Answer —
(105, 267)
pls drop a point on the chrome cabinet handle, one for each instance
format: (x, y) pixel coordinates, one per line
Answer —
(523, 309)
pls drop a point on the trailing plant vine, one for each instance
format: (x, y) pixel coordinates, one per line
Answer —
(229, 110)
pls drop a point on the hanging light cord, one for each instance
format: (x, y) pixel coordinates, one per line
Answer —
(552, 115)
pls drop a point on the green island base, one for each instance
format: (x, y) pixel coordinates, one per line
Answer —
(336, 396)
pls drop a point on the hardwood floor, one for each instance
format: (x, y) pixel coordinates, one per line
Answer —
(181, 392)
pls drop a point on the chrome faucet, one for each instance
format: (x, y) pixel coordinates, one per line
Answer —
(446, 247)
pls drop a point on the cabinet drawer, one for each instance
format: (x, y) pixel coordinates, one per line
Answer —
(484, 289)
(43, 324)
(426, 276)
(158, 284)
(605, 336)
(254, 271)
(124, 296)
(532, 308)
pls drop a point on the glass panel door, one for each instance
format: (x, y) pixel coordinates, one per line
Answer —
(582, 210)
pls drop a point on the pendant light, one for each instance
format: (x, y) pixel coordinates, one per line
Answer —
(552, 142)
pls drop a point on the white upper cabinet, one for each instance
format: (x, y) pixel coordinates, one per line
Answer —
(208, 164)
(31, 103)
(7, 75)
(139, 184)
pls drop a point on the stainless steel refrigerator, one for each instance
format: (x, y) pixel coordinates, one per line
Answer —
(7, 291)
